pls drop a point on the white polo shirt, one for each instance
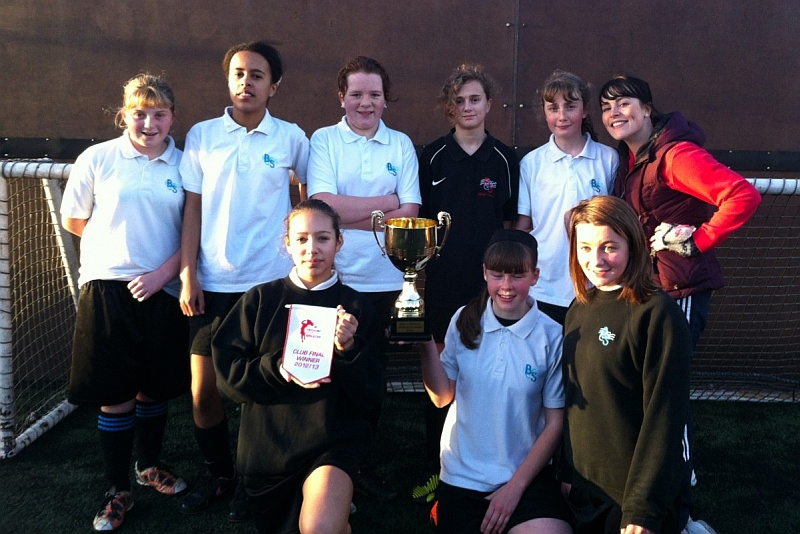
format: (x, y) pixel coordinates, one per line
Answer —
(502, 388)
(343, 162)
(134, 208)
(551, 183)
(243, 178)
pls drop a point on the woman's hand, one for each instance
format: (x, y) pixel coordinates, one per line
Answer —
(635, 529)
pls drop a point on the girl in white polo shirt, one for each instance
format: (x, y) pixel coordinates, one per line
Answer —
(571, 167)
(357, 166)
(124, 198)
(501, 369)
(236, 170)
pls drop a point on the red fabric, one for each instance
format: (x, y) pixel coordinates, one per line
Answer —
(434, 515)
(690, 169)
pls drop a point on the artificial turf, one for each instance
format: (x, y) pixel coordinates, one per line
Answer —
(746, 457)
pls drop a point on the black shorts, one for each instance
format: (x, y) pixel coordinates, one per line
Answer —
(383, 302)
(122, 346)
(461, 511)
(203, 327)
(275, 503)
(592, 512)
(438, 318)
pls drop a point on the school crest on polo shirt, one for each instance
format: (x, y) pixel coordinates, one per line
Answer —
(487, 187)
(531, 372)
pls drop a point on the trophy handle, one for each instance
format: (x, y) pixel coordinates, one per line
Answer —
(377, 216)
(444, 220)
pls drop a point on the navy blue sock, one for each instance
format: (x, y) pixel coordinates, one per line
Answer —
(116, 432)
(151, 421)
(215, 447)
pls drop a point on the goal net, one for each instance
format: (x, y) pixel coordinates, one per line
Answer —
(750, 349)
(37, 302)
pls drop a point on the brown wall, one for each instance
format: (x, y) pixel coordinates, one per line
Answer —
(730, 66)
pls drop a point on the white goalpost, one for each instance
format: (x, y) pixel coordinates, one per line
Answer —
(38, 296)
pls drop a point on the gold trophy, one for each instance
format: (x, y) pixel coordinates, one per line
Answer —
(410, 243)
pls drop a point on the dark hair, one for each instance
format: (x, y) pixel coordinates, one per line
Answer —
(367, 65)
(462, 75)
(504, 257)
(262, 48)
(573, 89)
(319, 206)
(603, 210)
(624, 86)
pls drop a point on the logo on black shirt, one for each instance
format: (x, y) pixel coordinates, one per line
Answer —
(488, 185)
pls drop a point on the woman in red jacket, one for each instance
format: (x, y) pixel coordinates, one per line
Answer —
(670, 180)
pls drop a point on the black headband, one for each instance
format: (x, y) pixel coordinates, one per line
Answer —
(517, 236)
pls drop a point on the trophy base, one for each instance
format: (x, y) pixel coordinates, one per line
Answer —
(409, 329)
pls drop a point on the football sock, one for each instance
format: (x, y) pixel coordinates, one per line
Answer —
(151, 421)
(116, 432)
(215, 447)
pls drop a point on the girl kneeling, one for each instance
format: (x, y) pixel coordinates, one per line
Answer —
(300, 445)
(501, 368)
(627, 350)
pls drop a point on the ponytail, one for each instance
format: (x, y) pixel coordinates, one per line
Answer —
(469, 321)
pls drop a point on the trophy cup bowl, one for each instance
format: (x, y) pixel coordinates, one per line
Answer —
(410, 242)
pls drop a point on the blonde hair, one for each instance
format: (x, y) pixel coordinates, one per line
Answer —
(145, 91)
